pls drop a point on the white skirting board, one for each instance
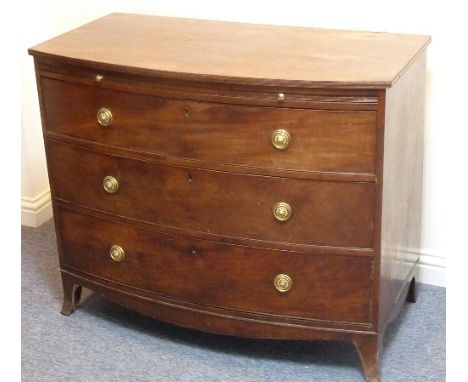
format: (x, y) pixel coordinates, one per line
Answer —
(431, 269)
(36, 211)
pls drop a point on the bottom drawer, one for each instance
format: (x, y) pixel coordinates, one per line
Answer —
(324, 287)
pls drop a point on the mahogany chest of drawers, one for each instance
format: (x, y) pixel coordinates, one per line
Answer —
(249, 180)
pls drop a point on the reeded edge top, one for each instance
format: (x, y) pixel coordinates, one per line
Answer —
(224, 79)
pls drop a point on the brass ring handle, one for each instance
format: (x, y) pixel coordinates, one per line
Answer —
(110, 184)
(280, 139)
(283, 283)
(117, 253)
(104, 117)
(282, 211)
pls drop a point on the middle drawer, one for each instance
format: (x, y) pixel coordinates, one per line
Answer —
(248, 206)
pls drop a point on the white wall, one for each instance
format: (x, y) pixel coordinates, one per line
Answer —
(443, 21)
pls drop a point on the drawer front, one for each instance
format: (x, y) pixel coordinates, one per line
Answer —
(323, 213)
(329, 141)
(217, 274)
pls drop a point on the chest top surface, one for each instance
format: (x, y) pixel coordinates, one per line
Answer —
(236, 52)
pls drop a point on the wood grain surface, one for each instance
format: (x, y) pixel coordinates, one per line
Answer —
(237, 52)
(330, 141)
(402, 186)
(336, 214)
(333, 288)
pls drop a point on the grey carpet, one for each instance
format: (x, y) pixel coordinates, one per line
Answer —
(105, 342)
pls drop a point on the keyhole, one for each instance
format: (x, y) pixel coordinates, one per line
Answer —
(186, 111)
(194, 251)
(189, 178)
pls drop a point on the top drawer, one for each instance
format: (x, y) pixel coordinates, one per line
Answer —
(316, 140)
